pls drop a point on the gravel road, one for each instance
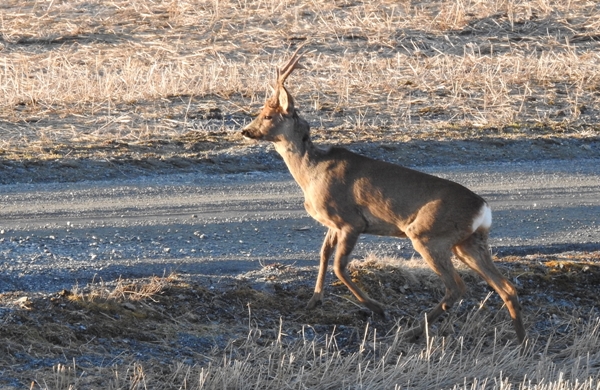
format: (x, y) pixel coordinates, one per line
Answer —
(53, 236)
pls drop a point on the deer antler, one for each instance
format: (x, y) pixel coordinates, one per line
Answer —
(283, 73)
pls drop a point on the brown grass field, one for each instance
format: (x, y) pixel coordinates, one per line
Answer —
(168, 84)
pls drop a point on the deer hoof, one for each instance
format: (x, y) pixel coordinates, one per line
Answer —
(314, 302)
(383, 316)
(376, 308)
(412, 335)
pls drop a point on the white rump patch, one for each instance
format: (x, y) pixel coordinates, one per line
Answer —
(484, 218)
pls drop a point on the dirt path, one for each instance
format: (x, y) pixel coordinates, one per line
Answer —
(53, 236)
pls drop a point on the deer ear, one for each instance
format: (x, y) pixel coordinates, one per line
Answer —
(286, 102)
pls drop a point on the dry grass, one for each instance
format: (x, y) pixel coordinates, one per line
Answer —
(386, 365)
(176, 333)
(86, 77)
(90, 72)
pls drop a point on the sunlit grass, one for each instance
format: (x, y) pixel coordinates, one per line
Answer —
(135, 70)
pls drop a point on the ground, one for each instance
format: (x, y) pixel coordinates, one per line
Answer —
(179, 319)
(109, 91)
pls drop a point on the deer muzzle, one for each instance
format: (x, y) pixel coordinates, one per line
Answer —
(248, 133)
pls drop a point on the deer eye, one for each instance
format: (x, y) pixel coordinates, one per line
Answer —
(267, 117)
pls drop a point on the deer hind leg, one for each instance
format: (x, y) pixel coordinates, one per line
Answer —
(346, 242)
(328, 245)
(438, 255)
(475, 253)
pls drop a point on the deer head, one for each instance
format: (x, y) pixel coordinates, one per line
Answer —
(278, 118)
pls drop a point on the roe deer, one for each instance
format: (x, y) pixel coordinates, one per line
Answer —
(352, 194)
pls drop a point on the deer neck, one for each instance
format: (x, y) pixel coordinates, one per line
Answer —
(299, 154)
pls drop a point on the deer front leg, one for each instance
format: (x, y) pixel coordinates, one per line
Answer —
(346, 242)
(328, 244)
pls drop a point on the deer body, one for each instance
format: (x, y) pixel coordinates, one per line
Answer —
(351, 194)
(378, 196)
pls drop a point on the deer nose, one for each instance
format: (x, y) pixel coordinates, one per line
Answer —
(247, 133)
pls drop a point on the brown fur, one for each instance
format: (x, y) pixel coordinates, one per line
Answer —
(352, 194)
